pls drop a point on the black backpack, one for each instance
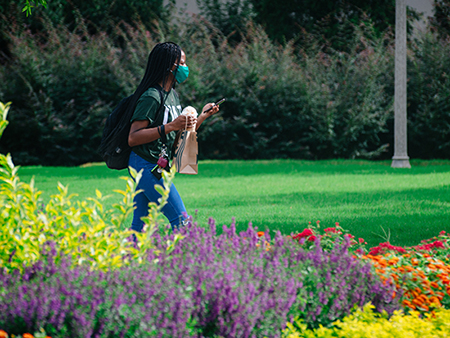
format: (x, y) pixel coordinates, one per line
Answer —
(114, 148)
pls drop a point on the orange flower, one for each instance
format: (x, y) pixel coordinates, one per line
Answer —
(260, 233)
(417, 302)
(435, 285)
(425, 308)
(27, 335)
(435, 301)
(393, 261)
(3, 334)
(415, 261)
(406, 302)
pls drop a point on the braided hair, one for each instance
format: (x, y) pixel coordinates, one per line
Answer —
(161, 59)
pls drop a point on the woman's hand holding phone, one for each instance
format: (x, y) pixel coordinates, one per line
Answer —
(212, 108)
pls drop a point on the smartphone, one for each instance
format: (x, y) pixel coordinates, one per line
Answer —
(218, 103)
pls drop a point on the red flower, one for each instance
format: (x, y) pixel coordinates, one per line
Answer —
(429, 246)
(361, 241)
(312, 238)
(333, 230)
(382, 248)
(304, 233)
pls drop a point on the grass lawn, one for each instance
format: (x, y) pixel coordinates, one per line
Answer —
(364, 197)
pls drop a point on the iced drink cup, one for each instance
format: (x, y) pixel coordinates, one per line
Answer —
(190, 111)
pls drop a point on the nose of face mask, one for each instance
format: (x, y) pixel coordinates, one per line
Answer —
(182, 73)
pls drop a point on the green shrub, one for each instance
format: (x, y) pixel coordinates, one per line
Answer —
(323, 106)
(281, 102)
(101, 15)
(83, 230)
(429, 98)
(64, 89)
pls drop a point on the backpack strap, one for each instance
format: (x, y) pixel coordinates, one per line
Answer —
(160, 109)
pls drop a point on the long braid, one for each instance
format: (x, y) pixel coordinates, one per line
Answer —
(161, 59)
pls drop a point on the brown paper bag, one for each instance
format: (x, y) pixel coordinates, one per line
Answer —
(185, 155)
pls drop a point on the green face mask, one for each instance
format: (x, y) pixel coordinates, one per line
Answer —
(182, 73)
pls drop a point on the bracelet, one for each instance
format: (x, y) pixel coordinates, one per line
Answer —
(162, 130)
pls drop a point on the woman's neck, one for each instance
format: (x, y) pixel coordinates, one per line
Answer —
(168, 86)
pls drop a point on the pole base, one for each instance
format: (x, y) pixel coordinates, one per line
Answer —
(400, 162)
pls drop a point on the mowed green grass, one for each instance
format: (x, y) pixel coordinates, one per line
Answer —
(370, 199)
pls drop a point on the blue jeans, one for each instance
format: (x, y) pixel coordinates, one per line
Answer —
(174, 210)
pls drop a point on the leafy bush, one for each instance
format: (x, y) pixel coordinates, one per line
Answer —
(323, 106)
(440, 21)
(428, 98)
(282, 102)
(64, 89)
(365, 323)
(101, 15)
(83, 230)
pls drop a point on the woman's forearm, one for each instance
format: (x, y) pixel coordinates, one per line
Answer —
(200, 120)
(146, 135)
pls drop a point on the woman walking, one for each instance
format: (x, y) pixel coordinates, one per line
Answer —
(153, 130)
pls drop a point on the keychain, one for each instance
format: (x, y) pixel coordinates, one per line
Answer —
(163, 163)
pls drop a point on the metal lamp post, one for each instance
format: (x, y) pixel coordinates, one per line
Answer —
(400, 158)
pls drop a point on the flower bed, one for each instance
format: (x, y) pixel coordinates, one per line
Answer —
(420, 273)
(228, 285)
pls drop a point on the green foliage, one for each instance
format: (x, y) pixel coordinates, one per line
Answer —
(428, 98)
(27, 8)
(282, 101)
(365, 323)
(229, 17)
(102, 15)
(440, 21)
(64, 89)
(321, 106)
(4, 108)
(82, 230)
(286, 21)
